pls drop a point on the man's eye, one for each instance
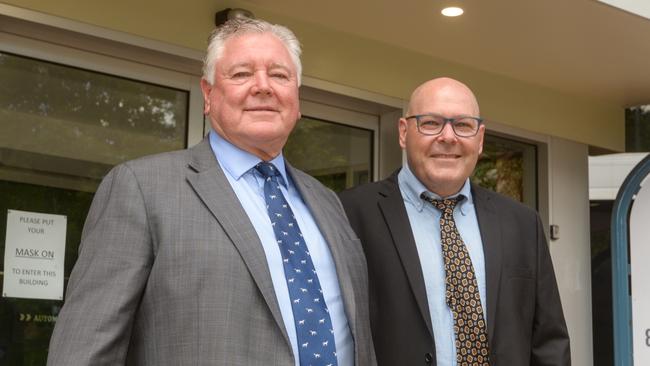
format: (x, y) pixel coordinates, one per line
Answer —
(241, 75)
(465, 124)
(281, 76)
(429, 123)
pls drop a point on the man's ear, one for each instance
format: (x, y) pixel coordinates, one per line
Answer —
(206, 88)
(402, 126)
(482, 135)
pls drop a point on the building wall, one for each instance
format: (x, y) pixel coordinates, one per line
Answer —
(348, 60)
(569, 208)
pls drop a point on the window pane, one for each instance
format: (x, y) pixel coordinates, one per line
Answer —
(637, 129)
(61, 130)
(69, 113)
(508, 167)
(339, 156)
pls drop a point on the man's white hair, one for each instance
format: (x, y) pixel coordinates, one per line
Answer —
(237, 27)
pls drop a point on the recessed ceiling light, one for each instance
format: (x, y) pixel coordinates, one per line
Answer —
(452, 11)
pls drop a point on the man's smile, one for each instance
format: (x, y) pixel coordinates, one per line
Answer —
(445, 156)
(261, 109)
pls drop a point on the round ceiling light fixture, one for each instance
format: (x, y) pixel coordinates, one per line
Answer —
(452, 11)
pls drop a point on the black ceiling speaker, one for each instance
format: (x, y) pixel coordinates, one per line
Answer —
(229, 13)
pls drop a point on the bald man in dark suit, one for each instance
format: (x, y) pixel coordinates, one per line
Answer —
(458, 275)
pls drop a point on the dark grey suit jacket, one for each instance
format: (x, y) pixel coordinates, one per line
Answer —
(172, 272)
(525, 320)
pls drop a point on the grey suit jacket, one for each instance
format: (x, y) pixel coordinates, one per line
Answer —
(172, 272)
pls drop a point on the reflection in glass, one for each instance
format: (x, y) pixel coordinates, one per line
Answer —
(508, 167)
(51, 111)
(339, 156)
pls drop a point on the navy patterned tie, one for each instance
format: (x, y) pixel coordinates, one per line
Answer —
(313, 323)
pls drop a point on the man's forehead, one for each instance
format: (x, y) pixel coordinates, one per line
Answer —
(438, 97)
(267, 41)
(238, 51)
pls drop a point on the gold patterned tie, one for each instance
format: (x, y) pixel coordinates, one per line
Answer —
(461, 292)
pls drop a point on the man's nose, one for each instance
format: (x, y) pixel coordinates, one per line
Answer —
(261, 85)
(447, 133)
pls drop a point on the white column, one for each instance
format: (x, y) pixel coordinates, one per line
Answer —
(571, 253)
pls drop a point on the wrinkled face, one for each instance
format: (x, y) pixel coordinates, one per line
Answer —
(253, 101)
(442, 162)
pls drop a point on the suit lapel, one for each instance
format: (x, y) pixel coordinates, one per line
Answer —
(392, 208)
(322, 216)
(490, 228)
(211, 185)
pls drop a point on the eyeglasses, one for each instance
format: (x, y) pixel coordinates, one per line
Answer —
(433, 124)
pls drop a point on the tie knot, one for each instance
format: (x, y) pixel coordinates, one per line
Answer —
(267, 170)
(444, 204)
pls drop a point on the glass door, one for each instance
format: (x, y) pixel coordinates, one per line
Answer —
(62, 128)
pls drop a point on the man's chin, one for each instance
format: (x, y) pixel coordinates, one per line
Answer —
(445, 162)
(261, 123)
(263, 137)
(445, 184)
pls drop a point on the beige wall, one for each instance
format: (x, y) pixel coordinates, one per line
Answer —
(569, 208)
(360, 63)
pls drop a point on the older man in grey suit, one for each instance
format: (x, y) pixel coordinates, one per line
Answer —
(222, 254)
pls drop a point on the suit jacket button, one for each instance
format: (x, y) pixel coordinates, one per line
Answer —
(428, 358)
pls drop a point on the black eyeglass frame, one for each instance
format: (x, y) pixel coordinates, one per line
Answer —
(445, 121)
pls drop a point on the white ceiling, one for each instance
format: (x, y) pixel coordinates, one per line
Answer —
(580, 47)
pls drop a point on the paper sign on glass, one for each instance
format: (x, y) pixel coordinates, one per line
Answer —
(34, 255)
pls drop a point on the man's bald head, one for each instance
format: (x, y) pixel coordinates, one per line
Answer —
(442, 88)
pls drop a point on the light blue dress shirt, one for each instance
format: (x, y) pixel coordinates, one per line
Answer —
(248, 184)
(425, 224)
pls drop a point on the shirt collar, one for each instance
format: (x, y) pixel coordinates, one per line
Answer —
(412, 189)
(238, 162)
